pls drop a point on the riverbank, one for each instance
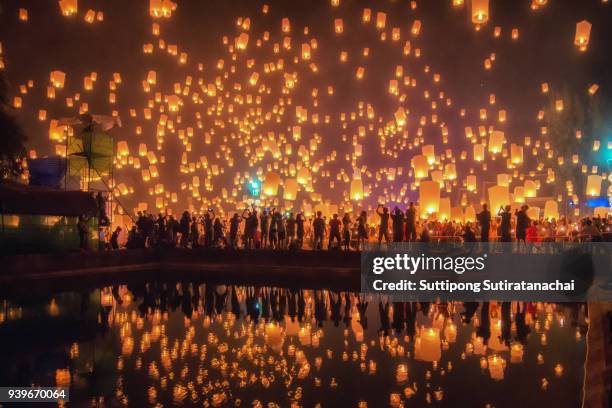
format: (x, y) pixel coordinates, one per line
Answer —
(311, 268)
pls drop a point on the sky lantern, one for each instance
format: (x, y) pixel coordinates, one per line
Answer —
(496, 141)
(356, 190)
(303, 175)
(285, 25)
(421, 167)
(429, 197)
(56, 132)
(400, 117)
(471, 182)
(593, 187)
(90, 16)
(519, 194)
(242, 41)
(57, 79)
(68, 7)
(499, 196)
(516, 154)
(444, 212)
(161, 8)
(504, 179)
(23, 14)
(429, 152)
(338, 26)
(583, 32)
(480, 11)
(290, 189)
(427, 346)
(551, 210)
(479, 152)
(470, 214)
(366, 17)
(381, 20)
(271, 183)
(416, 28)
(359, 73)
(450, 171)
(530, 188)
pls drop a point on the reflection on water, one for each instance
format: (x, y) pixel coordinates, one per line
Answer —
(192, 343)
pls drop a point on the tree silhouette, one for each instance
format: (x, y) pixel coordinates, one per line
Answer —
(12, 138)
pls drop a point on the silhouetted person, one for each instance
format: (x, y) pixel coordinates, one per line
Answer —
(383, 231)
(484, 219)
(411, 232)
(522, 222)
(397, 221)
(334, 231)
(299, 222)
(83, 230)
(468, 234)
(505, 215)
(114, 239)
(318, 226)
(346, 232)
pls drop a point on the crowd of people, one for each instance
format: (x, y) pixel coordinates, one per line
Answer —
(274, 229)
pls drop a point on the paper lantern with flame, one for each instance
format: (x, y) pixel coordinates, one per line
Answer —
(429, 197)
(593, 187)
(480, 11)
(583, 32)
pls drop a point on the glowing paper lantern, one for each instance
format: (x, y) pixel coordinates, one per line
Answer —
(503, 179)
(496, 141)
(519, 194)
(444, 212)
(421, 167)
(69, 7)
(427, 346)
(479, 152)
(593, 187)
(429, 152)
(530, 188)
(271, 183)
(480, 11)
(356, 190)
(516, 154)
(429, 197)
(533, 212)
(57, 79)
(583, 32)
(551, 210)
(499, 196)
(470, 214)
(471, 182)
(290, 189)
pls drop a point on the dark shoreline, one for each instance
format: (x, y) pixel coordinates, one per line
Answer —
(312, 269)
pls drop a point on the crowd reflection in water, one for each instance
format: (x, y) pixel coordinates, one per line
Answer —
(270, 304)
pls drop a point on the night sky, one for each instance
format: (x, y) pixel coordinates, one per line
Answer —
(449, 44)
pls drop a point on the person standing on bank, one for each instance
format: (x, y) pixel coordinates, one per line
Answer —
(411, 231)
(504, 213)
(484, 219)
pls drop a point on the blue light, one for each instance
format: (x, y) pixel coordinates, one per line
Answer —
(598, 202)
(254, 188)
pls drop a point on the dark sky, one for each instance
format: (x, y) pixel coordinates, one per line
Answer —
(450, 45)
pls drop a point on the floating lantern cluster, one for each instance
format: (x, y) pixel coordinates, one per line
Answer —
(266, 111)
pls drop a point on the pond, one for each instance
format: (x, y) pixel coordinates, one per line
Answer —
(193, 343)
